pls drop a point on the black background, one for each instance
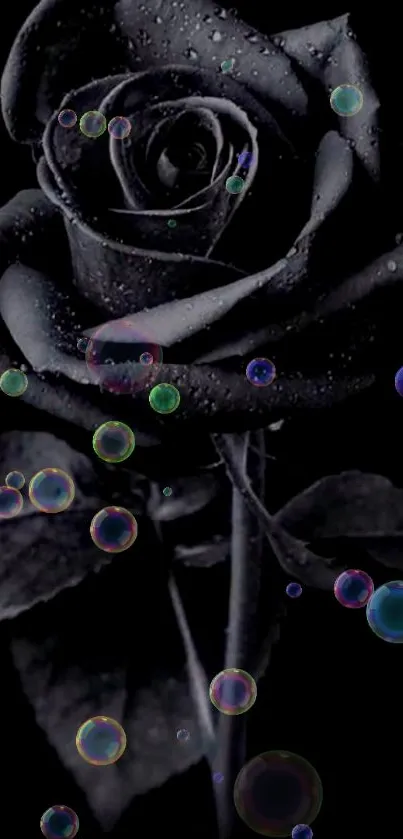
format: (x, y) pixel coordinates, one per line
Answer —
(332, 692)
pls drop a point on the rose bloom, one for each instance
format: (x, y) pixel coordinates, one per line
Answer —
(140, 237)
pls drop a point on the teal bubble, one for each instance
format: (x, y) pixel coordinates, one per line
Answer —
(172, 223)
(385, 612)
(227, 65)
(234, 185)
(346, 100)
(13, 382)
(164, 398)
(167, 491)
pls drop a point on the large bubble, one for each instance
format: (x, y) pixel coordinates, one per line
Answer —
(276, 791)
(115, 358)
(101, 741)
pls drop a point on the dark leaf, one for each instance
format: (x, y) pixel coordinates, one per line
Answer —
(112, 647)
(352, 505)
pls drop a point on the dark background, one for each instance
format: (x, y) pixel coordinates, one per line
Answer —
(332, 690)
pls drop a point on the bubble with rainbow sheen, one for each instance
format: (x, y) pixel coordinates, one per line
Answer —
(11, 502)
(261, 372)
(67, 118)
(113, 442)
(51, 490)
(385, 612)
(302, 831)
(277, 790)
(353, 588)
(15, 479)
(164, 398)
(13, 382)
(101, 741)
(92, 124)
(119, 128)
(146, 358)
(294, 590)
(346, 100)
(113, 358)
(59, 822)
(233, 691)
(113, 529)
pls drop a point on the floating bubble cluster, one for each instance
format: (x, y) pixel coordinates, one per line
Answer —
(113, 529)
(59, 822)
(92, 124)
(234, 185)
(182, 734)
(164, 398)
(302, 831)
(15, 479)
(67, 118)
(11, 502)
(346, 100)
(277, 790)
(294, 590)
(101, 741)
(113, 358)
(233, 691)
(51, 490)
(113, 442)
(353, 589)
(260, 372)
(119, 128)
(385, 612)
(13, 382)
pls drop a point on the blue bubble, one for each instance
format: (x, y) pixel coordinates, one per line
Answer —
(245, 159)
(119, 128)
(385, 612)
(353, 589)
(15, 479)
(11, 502)
(260, 372)
(302, 831)
(183, 735)
(67, 118)
(399, 381)
(59, 822)
(294, 590)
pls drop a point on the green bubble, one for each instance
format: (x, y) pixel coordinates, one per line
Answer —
(13, 382)
(346, 100)
(167, 491)
(172, 223)
(164, 398)
(93, 124)
(234, 184)
(227, 65)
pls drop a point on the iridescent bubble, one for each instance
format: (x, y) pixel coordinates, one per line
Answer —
(182, 734)
(399, 381)
(67, 118)
(101, 741)
(294, 590)
(167, 491)
(346, 100)
(15, 479)
(59, 822)
(13, 382)
(113, 442)
(172, 223)
(11, 502)
(227, 65)
(353, 589)
(164, 398)
(233, 691)
(234, 185)
(119, 128)
(218, 777)
(82, 344)
(302, 831)
(92, 124)
(245, 159)
(260, 372)
(51, 490)
(277, 790)
(385, 612)
(113, 358)
(113, 529)
(146, 358)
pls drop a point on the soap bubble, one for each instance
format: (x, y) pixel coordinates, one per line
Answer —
(67, 118)
(59, 822)
(233, 691)
(101, 741)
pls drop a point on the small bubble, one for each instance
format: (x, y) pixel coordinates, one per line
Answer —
(119, 128)
(234, 185)
(227, 65)
(182, 735)
(67, 118)
(172, 223)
